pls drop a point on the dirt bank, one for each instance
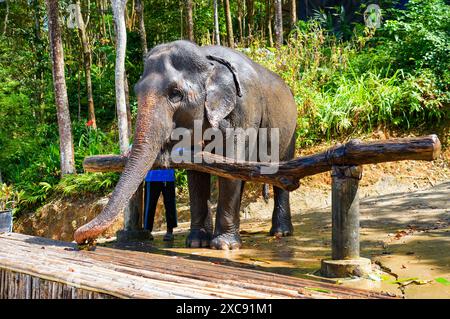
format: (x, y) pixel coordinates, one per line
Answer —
(62, 216)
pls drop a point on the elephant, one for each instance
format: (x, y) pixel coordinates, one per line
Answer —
(222, 88)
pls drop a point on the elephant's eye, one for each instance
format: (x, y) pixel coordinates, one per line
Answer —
(175, 95)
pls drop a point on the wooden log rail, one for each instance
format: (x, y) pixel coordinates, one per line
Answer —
(290, 172)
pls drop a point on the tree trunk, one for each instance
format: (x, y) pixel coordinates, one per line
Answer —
(129, 17)
(189, 20)
(240, 21)
(278, 23)
(59, 83)
(87, 65)
(216, 22)
(79, 90)
(293, 12)
(262, 23)
(229, 24)
(102, 19)
(142, 33)
(250, 15)
(88, 14)
(102, 34)
(5, 23)
(127, 101)
(40, 61)
(111, 34)
(208, 36)
(269, 13)
(118, 7)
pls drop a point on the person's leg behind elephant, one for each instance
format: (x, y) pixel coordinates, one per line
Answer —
(152, 192)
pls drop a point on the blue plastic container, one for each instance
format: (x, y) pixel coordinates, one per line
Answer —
(6, 221)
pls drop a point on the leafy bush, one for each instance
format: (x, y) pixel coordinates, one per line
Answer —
(92, 142)
(418, 38)
(350, 87)
(76, 185)
(181, 179)
(10, 198)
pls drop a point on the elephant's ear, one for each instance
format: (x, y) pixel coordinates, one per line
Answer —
(222, 89)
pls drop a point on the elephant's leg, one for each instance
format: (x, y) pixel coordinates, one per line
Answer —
(226, 234)
(281, 217)
(199, 193)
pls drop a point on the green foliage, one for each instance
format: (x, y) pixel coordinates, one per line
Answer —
(34, 193)
(40, 178)
(76, 185)
(419, 38)
(89, 141)
(335, 21)
(9, 198)
(346, 79)
(181, 178)
(347, 88)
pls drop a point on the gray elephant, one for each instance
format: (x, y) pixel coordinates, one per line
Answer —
(223, 88)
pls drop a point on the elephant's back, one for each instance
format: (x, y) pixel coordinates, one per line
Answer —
(246, 68)
(250, 71)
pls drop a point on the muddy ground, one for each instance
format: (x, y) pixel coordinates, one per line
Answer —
(405, 228)
(405, 234)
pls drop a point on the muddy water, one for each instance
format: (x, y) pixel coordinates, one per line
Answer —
(406, 235)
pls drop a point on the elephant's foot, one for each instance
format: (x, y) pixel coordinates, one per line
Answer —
(227, 241)
(282, 228)
(198, 238)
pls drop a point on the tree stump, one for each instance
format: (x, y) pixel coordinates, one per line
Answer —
(133, 216)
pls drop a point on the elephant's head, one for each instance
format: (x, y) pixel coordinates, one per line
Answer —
(180, 84)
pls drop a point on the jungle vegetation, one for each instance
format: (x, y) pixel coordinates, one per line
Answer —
(348, 79)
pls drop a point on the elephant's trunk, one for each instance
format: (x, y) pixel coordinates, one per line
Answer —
(151, 132)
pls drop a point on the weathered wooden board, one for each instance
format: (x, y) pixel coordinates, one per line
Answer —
(34, 267)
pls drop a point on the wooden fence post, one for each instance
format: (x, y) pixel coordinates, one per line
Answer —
(133, 216)
(345, 225)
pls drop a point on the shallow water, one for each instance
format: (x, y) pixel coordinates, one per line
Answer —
(406, 235)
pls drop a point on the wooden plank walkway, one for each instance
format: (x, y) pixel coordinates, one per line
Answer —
(34, 267)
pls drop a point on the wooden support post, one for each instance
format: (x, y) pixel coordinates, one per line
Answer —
(135, 210)
(345, 225)
(345, 212)
(133, 216)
